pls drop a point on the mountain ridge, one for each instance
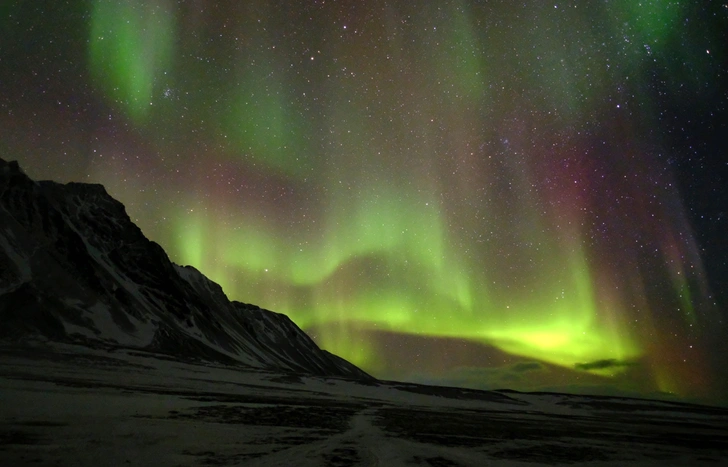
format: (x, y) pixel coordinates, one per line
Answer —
(73, 266)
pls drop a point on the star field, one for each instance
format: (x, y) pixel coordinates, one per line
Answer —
(475, 193)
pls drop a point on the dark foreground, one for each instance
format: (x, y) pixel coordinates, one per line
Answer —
(75, 406)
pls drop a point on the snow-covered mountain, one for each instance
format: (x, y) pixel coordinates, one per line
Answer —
(73, 266)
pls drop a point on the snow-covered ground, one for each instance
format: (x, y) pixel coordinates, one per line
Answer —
(77, 406)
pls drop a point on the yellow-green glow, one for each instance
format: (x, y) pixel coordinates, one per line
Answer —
(560, 322)
(191, 242)
(459, 57)
(262, 125)
(653, 20)
(130, 48)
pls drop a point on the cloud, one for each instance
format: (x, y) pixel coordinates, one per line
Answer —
(605, 364)
(518, 375)
(606, 377)
(522, 367)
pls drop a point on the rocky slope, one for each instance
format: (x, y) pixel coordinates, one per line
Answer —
(73, 266)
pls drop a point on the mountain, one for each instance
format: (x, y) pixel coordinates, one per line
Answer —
(74, 267)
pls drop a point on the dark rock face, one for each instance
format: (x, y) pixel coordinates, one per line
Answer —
(73, 266)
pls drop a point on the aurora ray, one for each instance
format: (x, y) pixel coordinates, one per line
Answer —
(502, 179)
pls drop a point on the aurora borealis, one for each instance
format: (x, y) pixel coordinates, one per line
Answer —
(482, 193)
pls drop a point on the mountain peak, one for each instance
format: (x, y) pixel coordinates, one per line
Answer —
(11, 166)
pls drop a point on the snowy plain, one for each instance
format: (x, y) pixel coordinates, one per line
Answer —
(73, 405)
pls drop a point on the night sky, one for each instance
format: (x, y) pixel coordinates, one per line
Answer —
(493, 194)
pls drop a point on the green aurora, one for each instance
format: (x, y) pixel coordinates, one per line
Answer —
(479, 171)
